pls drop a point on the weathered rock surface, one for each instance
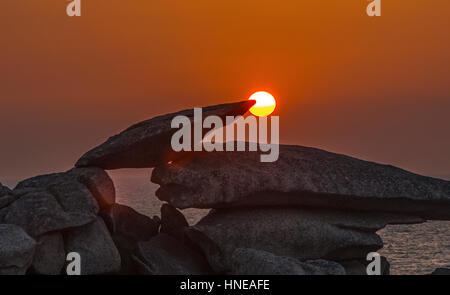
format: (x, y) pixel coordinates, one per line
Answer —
(96, 180)
(6, 200)
(16, 250)
(127, 228)
(53, 202)
(173, 222)
(164, 255)
(98, 252)
(302, 176)
(296, 233)
(441, 272)
(50, 255)
(146, 144)
(4, 190)
(123, 220)
(42, 212)
(99, 184)
(254, 262)
(5, 197)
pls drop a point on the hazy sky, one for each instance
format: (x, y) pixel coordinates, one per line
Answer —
(374, 88)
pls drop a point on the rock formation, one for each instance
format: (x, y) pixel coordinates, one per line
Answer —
(4, 190)
(311, 212)
(163, 255)
(255, 262)
(147, 144)
(302, 177)
(16, 250)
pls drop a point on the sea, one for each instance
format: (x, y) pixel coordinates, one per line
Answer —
(411, 249)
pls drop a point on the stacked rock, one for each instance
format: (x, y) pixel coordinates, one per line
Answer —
(310, 204)
(46, 217)
(310, 212)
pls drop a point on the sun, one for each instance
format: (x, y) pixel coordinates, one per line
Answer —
(265, 104)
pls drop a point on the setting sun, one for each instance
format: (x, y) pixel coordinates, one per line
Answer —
(265, 104)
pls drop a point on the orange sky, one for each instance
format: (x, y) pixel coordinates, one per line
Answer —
(374, 88)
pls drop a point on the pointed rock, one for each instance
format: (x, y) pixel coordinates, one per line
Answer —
(146, 144)
(173, 222)
(4, 190)
(125, 221)
(127, 228)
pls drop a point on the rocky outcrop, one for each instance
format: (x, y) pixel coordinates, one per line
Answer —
(16, 250)
(296, 233)
(96, 181)
(50, 255)
(5, 197)
(4, 190)
(147, 144)
(127, 227)
(60, 211)
(164, 255)
(254, 262)
(311, 212)
(99, 184)
(173, 222)
(58, 201)
(40, 212)
(125, 221)
(97, 250)
(300, 177)
(441, 272)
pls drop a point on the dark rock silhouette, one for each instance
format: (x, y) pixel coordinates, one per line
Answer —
(255, 262)
(173, 222)
(311, 212)
(123, 220)
(297, 233)
(164, 255)
(128, 227)
(16, 250)
(5, 197)
(96, 248)
(4, 190)
(147, 144)
(40, 212)
(96, 180)
(301, 176)
(50, 255)
(441, 272)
